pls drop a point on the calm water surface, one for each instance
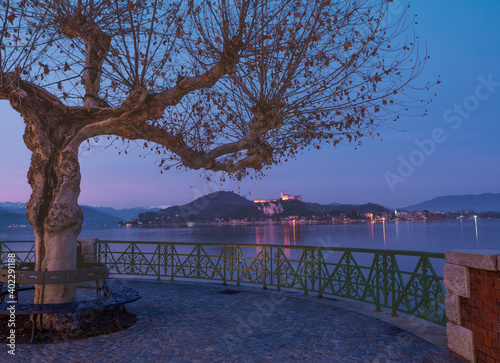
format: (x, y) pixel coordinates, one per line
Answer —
(432, 236)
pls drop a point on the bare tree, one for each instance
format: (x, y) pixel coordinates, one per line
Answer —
(232, 86)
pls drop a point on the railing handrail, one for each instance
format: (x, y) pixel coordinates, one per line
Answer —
(352, 249)
(5, 242)
(215, 244)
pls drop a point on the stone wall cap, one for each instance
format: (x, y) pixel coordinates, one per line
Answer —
(479, 259)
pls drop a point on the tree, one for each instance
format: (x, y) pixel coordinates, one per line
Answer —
(223, 85)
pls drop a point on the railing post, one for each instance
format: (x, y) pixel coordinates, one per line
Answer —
(165, 260)
(159, 260)
(375, 266)
(88, 250)
(271, 269)
(278, 268)
(198, 257)
(132, 259)
(425, 285)
(171, 262)
(224, 261)
(305, 262)
(265, 267)
(393, 286)
(238, 269)
(320, 279)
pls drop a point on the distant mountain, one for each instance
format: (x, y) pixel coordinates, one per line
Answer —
(479, 203)
(13, 207)
(124, 214)
(92, 217)
(9, 218)
(15, 213)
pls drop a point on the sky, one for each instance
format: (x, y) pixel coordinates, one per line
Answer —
(454, 150)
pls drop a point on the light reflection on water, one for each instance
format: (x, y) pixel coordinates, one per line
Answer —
(431, 236)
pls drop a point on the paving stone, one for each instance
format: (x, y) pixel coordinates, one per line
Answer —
(187, 322)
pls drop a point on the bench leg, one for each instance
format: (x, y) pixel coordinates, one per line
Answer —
(33, 328)
(118, 321)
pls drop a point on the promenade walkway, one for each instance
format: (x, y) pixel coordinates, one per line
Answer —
(195, 322)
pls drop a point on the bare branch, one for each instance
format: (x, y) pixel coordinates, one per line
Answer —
(220, 85)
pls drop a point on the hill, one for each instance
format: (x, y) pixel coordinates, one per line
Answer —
(219, 205)
(480, 203)
(316, 207)
(360, 208)
(228, 205)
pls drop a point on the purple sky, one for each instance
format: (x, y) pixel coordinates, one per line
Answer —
(462, 38)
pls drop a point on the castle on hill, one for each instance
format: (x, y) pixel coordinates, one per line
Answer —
(284, 196)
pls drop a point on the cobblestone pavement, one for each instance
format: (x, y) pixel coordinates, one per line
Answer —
(194, 322)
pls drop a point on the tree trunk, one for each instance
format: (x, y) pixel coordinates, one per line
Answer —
(53, 212)
(54, 176)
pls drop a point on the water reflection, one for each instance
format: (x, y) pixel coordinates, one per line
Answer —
(397, 232)
(477, 236)
(383, 228)
(257, 239)
(372, 233)
(289, 231)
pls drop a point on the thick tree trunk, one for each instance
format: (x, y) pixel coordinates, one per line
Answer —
(57, 219)
(54, 176)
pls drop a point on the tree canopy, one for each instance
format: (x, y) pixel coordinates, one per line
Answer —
(220, 85)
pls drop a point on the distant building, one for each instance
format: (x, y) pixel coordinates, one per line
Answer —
(284, 196)
(290, 197)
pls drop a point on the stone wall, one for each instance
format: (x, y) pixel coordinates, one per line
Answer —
(472, 303)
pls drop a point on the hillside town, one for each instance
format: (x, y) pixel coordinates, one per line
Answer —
(230, 208)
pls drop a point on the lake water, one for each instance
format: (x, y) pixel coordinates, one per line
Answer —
(430, 236)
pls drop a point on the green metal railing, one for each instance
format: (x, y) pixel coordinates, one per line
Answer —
(24, 250)
(402, 281)
(367, 275)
